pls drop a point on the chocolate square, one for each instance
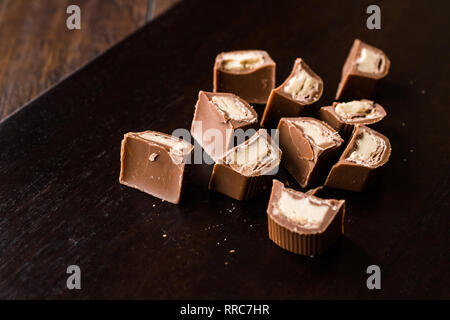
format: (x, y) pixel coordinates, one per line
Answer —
(366, 152)
(310, 147)
(215, 121)
(249, 74)
(246, 170)
(343, 116)
(154, 163)
(364, 67)
(303, 87)
(303, 223)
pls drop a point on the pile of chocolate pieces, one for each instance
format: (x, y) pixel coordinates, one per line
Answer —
(336, 148)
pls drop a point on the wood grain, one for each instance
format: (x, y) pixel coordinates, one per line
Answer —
(158, 7)
(61, 202)
(37, 50)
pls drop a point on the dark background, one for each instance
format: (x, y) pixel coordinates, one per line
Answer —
(61, 203)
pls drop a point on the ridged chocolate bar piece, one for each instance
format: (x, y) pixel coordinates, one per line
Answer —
(248, 73)
(303, 223)
(154, 163)
(303, 87)
(364, 67)
(343, 116)
(217, 116)
(310, 148)
(246, 170)
(367, 151)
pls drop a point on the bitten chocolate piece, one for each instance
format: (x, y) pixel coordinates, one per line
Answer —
(366, 151)
(365, 65)
(343, 116)
(245, 171)
(154, 163)
(248, 73)
(303, 87)
(310, 147)
(216, 117)
(303, 223)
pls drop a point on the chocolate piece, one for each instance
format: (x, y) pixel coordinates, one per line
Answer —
(248, 73)
(366, 151)
(245, 171)
(154, 163)
(365, 65)
(310, 147)
(343, 116)
(303, 87)
(216, 117)
(303, 223)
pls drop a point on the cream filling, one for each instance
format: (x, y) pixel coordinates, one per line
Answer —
(252, 156)
(302, 86)
(369, 149)
(233, 108)
(369, 61)
(317, 133)
(307, 212)
(242, 60)
(356, 109)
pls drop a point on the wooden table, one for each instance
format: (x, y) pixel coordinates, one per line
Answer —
(61, 203)
(37, 50)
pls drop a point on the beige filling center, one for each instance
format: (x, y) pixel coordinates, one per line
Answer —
(315, 132)
(356, 109)
(307, 212)
(369, 149)
(233, 108)
(302, 86)
(252, 156)
(241, 61)
(369, 61)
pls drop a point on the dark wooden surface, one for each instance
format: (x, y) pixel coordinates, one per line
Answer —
(61, 203)
(37, 50)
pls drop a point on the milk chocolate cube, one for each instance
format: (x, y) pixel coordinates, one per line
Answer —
(249, 74)
(366, 151)
(154, 163)
(364, 67)
(302, 88)
(217, 117)
(303, 223)
(310, 147)
(343, 116)
(245, 171)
